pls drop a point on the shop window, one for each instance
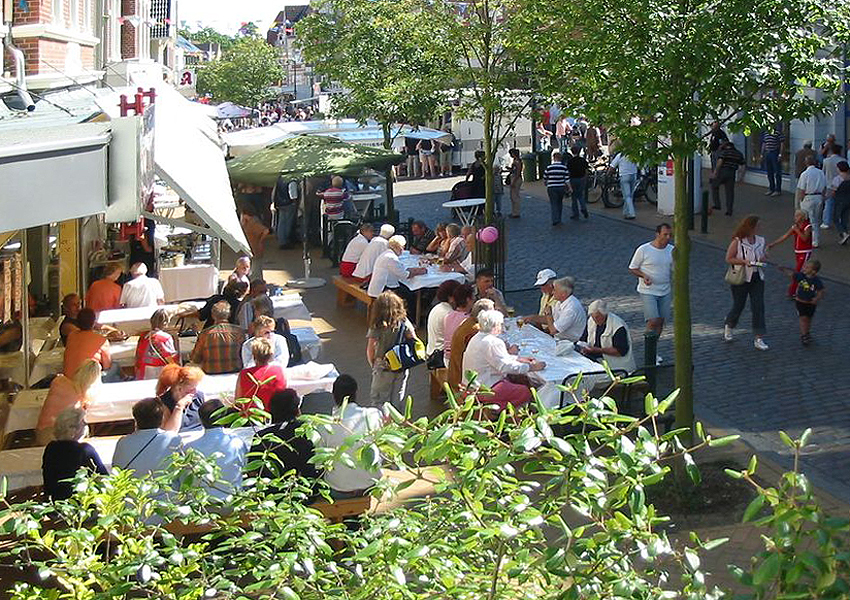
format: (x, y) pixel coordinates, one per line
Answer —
(754, 156)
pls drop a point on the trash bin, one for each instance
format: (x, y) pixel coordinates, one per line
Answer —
(544, 159)
(529, 167)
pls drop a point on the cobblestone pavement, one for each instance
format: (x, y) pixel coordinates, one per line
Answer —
(737, 387)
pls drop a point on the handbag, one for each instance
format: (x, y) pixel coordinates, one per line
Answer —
(436, 360)
(407, 352)
(736, 274)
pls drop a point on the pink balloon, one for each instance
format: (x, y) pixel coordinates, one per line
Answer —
(489, 234)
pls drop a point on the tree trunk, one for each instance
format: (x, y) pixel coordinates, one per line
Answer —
(682, 302)
(389, 173)
(488, 164)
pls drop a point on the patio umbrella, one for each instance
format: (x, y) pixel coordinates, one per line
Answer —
(305, 156)
(309, 156)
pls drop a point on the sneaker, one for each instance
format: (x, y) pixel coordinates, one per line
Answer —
(727, 333)
(658, 359)
(760, 345)
(777, 193)
(806, 339)
(843, 239)
(815, 244)
(824, 226)
(769, 193)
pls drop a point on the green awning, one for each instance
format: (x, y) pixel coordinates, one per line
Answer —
(308, 156)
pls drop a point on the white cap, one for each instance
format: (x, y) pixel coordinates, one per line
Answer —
(387, 231)
(545, 276)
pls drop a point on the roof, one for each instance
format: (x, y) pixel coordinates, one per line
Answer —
(188, 46)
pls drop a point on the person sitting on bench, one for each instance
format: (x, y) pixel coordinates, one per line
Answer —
(354, 250)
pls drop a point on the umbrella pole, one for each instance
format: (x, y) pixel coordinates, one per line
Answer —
(306, 281)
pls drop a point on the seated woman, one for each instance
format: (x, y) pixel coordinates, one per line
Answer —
(439, 237)
(177, 388)
(155, 349)
(264, 328)
(466, 265)
(489, 357)
(66, 455)
(66, 392)
(455, 245)
(264, 378)
(84, 343)
(607, 338)
(291, 451)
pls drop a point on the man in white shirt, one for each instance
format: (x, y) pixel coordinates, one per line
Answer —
(264, 327)
(354, 421)
(544, 280)
(227, 449)
(628, 180)
(354, 250)
(566, 320)
(652, 264)
(830, 171)
(149, 448)
(376, 247)
(141, 290)
(810, 189)
(388, 271)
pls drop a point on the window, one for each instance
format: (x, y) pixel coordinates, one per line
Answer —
(112, 44)
(88, 24)
(59, 12)
(74, 15)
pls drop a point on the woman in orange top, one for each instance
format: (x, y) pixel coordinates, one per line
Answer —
(66, 392)
(85, 343)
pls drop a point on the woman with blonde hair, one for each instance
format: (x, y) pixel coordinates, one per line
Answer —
(439, 239)
(747, 251)
(264, 378)
(177, 388)
(387, 318)
(155, 349)
(66, 392)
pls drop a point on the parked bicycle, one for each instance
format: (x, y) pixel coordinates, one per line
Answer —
(595, 175)
(646, 188)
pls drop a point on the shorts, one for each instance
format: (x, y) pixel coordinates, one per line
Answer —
(805, 310)
(656, 307)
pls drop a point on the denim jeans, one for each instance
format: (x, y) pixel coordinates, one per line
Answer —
(828, 208)
(579, 195)
(842, 211)
(286, 222)
(556, 202)
(774, 170)
(497, 202)
(755, 290)
(627, 186)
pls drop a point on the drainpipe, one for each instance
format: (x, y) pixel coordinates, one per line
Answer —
(20, 70)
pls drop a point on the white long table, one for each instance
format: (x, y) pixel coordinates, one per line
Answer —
(188, 282)
(22, 466)
(433, 278)
(114, 401)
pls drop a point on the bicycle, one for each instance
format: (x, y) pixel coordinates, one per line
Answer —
(646, 188)
(595, 175)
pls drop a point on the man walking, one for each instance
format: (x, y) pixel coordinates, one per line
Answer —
(652, 264)
(810, 189)
(628, 180)
(555, 176)
(716, 139)
(577, 166)
(830, 171)
(728, 161)
(771, 149)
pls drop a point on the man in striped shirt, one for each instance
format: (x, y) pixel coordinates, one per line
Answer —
(556, 176)
(771, 149)
(334, 199)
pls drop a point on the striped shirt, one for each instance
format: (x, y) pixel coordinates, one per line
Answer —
(556, 175)
(772, 141)
(731, 157)
(333, 200)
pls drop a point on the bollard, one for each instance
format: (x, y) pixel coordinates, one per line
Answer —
(703, 228)
(650, 352)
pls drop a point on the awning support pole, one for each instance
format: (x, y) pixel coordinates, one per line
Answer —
(307, 281)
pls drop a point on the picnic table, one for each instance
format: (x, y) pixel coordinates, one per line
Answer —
(114, 401)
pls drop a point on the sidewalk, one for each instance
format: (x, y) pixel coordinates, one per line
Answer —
(776, 215)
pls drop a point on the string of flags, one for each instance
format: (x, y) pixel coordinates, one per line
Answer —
(134, 20)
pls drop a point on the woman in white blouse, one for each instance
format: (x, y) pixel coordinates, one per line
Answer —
(488, 356)
(437, 316)
(749, 251)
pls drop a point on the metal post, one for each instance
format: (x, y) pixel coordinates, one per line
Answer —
(703, 228)
(650, 348)
(688, 177)
(25, 307)
(307, 281)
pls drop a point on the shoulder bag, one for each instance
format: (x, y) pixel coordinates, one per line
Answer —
(736, 274)
(407, 352)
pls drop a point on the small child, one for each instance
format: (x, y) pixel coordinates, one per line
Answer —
(809, 292)
(337, 204)
(801, 229)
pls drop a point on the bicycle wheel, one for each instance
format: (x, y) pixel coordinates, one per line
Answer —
(593, 186)
(612, 196)
(651, 193)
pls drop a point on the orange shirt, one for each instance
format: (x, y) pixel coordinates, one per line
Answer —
(103, 294)
(63, 394)
(82, 345)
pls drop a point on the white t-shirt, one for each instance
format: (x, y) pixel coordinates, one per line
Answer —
(830, 166)
(625, 166)
(386, 274)
(281, 352)
(658, 264)
(570, 319)
(355, 421)
(367, 260)
(141, 291)
(812, 181)
(355, 248)
(488, 356)
(437, 327)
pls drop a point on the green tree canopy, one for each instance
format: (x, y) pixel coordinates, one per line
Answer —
(658, 71)
(209, 35)
(244, 75)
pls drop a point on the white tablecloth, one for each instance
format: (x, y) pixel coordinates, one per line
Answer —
(433, 278)
(188, 282)
(114, 401)
(22, 467)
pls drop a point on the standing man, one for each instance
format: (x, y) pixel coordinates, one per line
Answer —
(830, 171)
(652, 264)
(772, 145)
(810, 190)
(830, 141)
(414, 167)
(728, 161)
(628, 179)
(287, 210)
(105, 293)
(716, 139)
(555, 176)
(562, 132)
(578, 167)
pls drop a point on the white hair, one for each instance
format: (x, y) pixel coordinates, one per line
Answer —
(489, 320)
(387, 231)
(243, 260)
(565, 284)
(397, 240)
(598, 306)
(70, 424)
(139, 269)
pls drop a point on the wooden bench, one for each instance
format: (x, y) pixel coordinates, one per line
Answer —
(349, 290)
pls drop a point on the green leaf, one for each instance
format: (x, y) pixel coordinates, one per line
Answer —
(767, 571)
(398, 574)
(712, 544)
(753, 508)
(804, 438)
(691, 468)
(733, 473)
(289, 594)
(786, 439)
(751, 468)
(723, 441)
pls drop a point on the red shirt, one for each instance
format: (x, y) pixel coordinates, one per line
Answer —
(250, 383)
(802, 245)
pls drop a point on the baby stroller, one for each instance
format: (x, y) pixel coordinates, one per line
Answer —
(463, 190)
